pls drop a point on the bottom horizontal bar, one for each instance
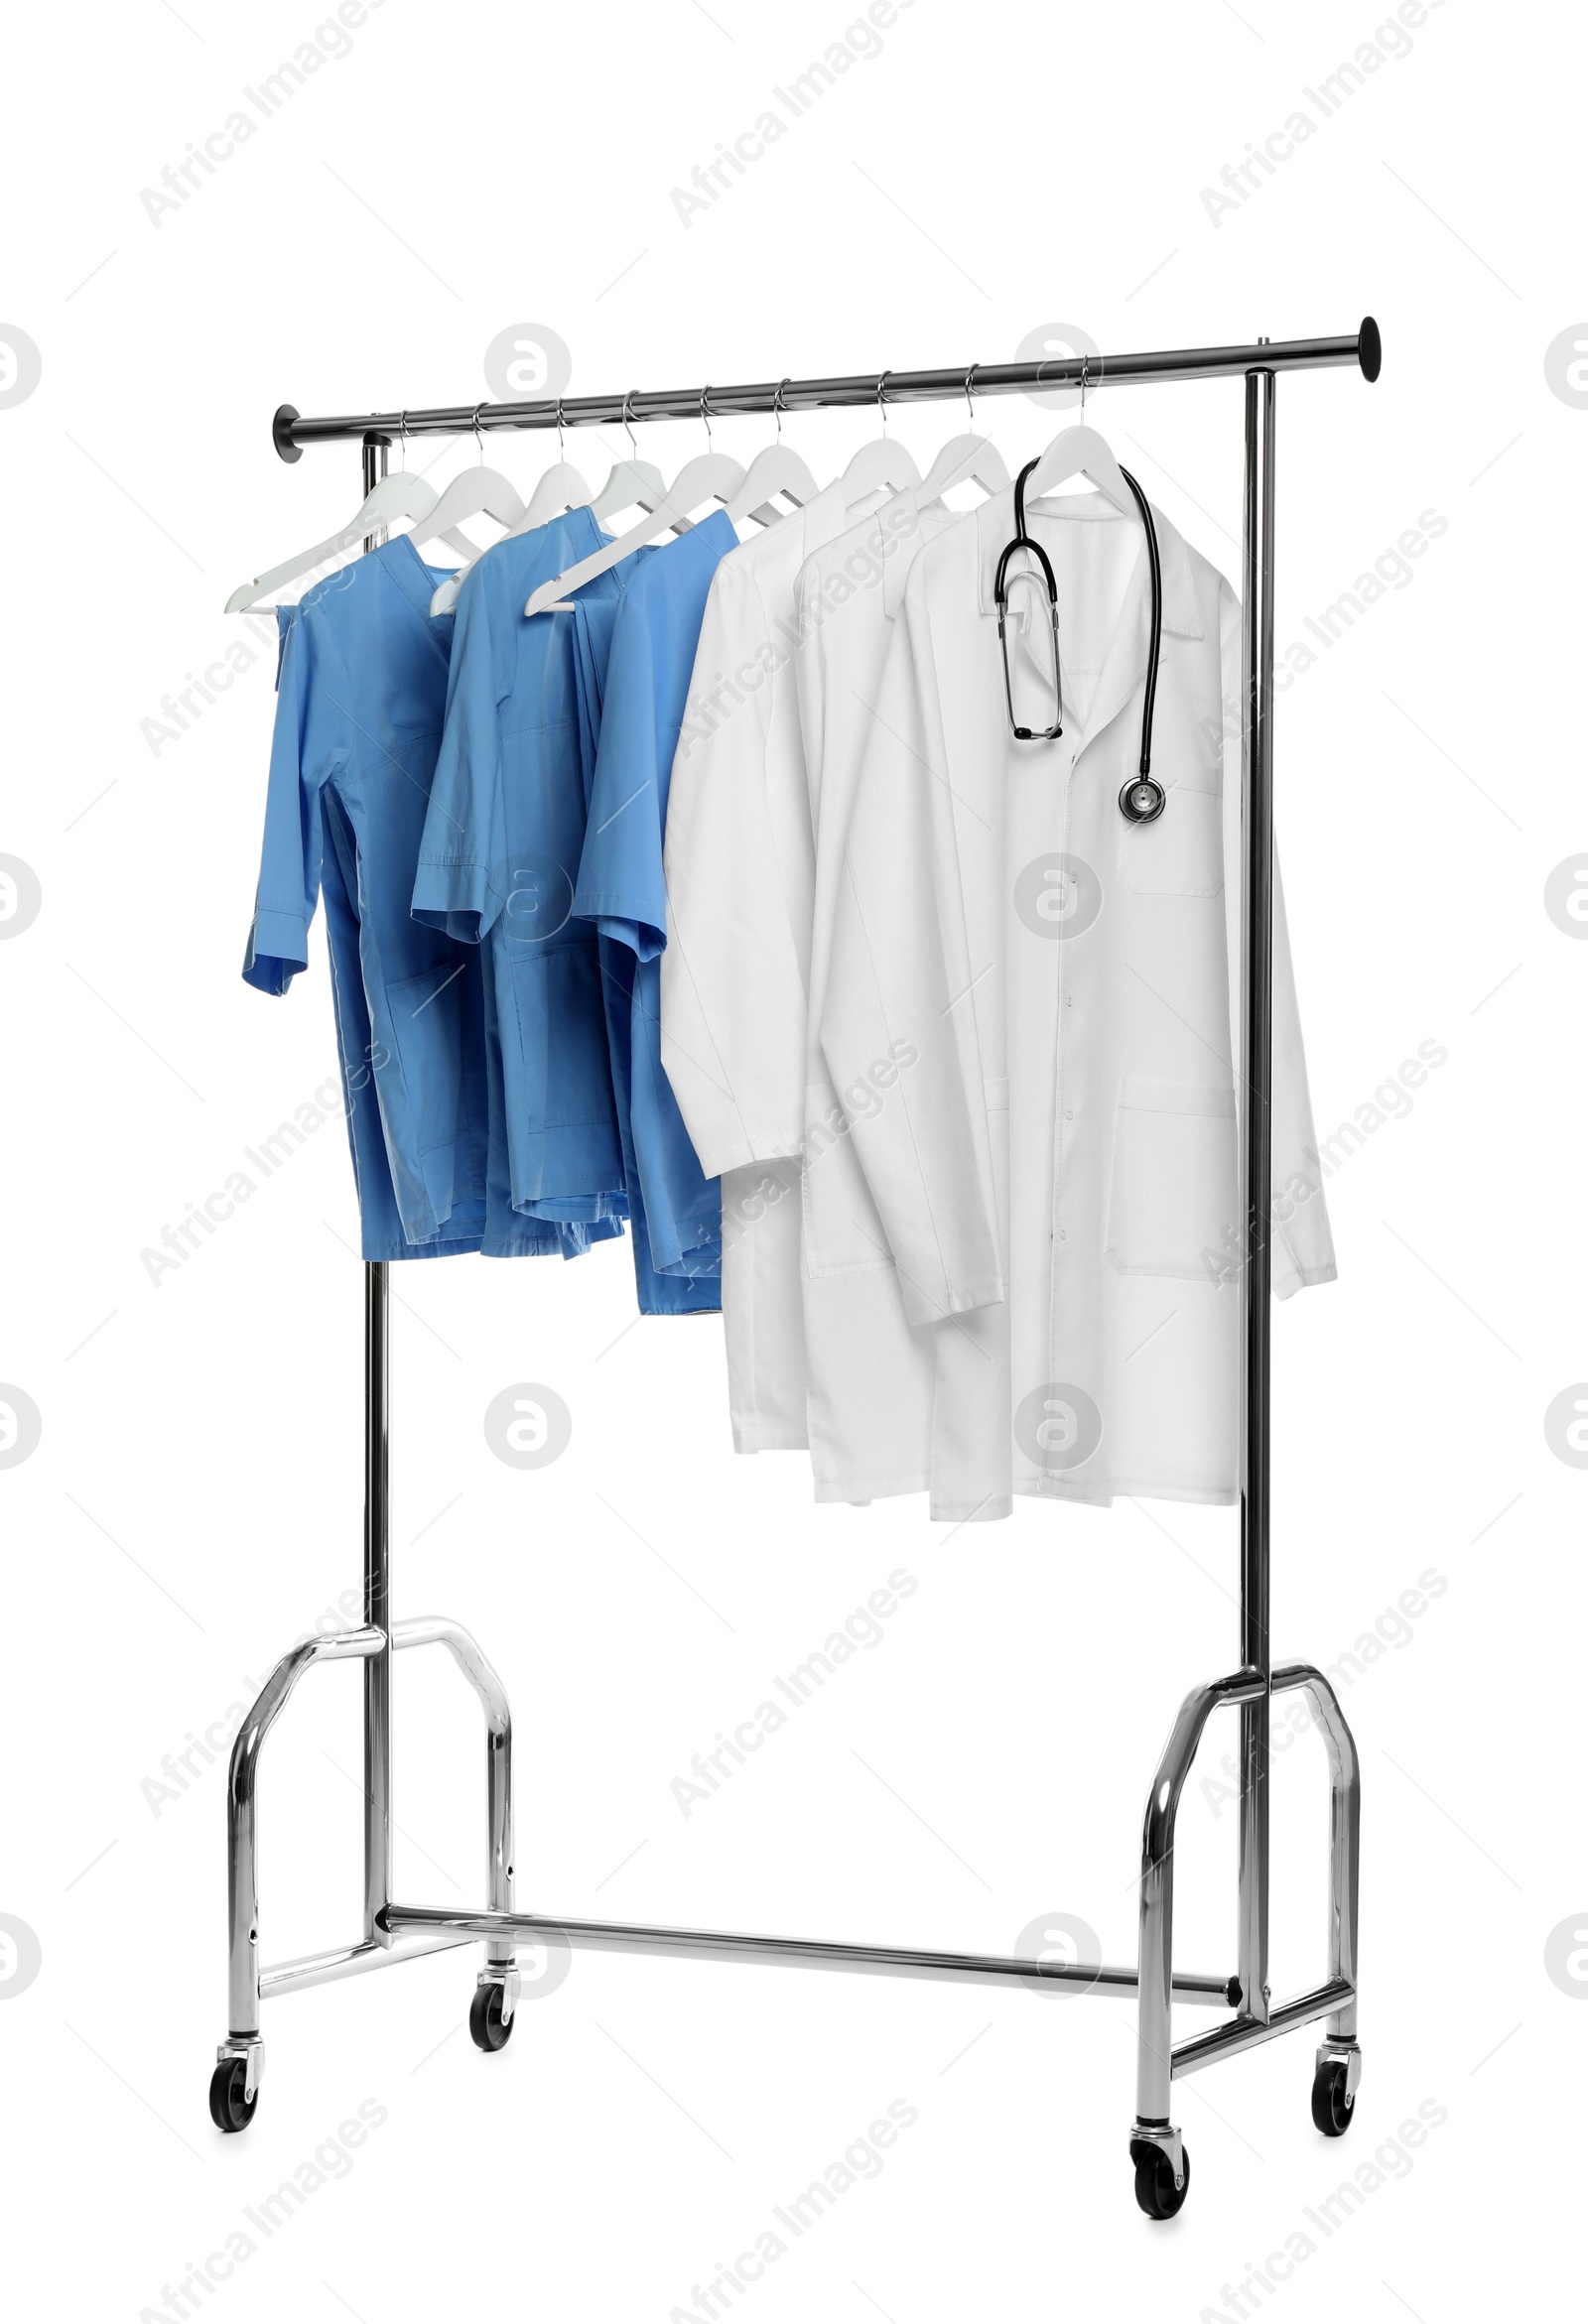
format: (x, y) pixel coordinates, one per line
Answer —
(801, 1953)
(1245, 2033)
(351, 1960)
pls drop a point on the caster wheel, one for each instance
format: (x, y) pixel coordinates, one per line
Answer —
(489, 2028)
(230, 2109)
(1155, 2190)
(1331, 2108)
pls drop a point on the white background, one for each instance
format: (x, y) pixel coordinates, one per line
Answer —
(194, 1505)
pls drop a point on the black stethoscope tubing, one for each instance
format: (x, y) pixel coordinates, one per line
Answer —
(1143, 798)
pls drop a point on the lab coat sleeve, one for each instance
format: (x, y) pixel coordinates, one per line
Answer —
(900, 991)
(307, 745)
(732, 992)
(461, 882)
(1301, 1246)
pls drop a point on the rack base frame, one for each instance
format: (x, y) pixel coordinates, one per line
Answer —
(396, 1932)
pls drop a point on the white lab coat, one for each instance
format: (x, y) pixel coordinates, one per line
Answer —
(892, 1407)
(740, 861)
(1063, 1151)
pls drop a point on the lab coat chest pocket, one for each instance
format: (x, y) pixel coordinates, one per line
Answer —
(1181, 852)
(1173, 1191)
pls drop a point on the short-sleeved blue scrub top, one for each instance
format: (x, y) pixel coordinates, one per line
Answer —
(495, 871)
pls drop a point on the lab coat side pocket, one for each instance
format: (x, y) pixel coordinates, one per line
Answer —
(1173, 1190)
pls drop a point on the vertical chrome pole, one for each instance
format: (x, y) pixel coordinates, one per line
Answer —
(1256, 1171)
(377, 1595)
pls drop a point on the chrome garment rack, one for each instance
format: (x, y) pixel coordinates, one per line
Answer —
(398, 1932)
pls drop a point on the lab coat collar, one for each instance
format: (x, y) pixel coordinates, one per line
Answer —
(995, 527)
(1125, 658)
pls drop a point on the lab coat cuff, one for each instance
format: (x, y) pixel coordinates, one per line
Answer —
(924, 1304)
(741, 1149)
(1294, 1278)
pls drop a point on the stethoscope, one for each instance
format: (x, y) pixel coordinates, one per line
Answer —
(1143, 798)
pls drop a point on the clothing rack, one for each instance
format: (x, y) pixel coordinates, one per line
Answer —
(394, 1931)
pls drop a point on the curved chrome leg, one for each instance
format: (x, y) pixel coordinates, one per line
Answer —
(1158, 2061)
(242, 1835)
(1154, 2039)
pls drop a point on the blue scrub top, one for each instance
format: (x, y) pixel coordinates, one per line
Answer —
(636, 655)
(362, 686)
(495, 871)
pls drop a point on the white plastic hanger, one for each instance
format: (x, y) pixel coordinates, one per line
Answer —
(477, 491)
(1081, 452)
(968, 458)
(397, 495)
(881, 465)
(561, 487)
(710, 476)
(631, 482)
(778, 469)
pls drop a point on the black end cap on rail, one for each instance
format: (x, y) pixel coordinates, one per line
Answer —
(281, 432)
(1369, 348)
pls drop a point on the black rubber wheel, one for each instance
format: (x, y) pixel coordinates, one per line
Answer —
(1155, 2190)
(230, 2109)
(1332, 2108)
(489, 2028)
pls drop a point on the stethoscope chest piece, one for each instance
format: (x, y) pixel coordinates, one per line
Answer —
(1142, 799)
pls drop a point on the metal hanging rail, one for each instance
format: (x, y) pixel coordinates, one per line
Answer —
(1360, 347)
(397, 1932)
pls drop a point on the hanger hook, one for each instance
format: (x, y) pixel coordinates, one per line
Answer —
(402, 430)
(1086, 366)
(479, 441)
(706, 415)
(633, 447)
(881, 399)
(777, 404)
(970, 397)
(562, 449)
